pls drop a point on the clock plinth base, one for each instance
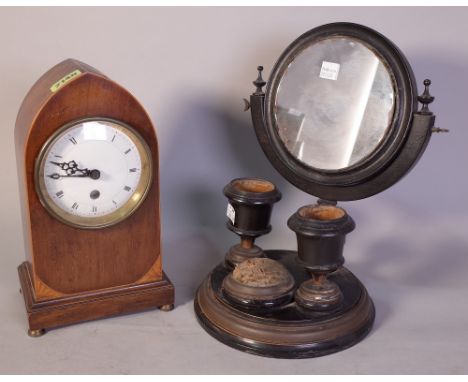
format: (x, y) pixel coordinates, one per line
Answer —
(288, 331)
(71, 309)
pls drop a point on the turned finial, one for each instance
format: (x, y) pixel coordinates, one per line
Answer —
(259, 82)
(426, 98)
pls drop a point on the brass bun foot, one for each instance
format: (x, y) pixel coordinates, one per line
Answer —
(288, 330)
(166, 308)
(36, 332)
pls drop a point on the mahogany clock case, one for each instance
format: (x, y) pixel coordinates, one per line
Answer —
(73, 274)
(330, 309)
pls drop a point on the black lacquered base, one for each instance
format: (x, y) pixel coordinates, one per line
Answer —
(287, 331)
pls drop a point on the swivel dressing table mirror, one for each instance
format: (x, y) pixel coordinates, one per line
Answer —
(339, 120)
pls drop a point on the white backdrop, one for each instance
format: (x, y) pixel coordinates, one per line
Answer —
(191, 67)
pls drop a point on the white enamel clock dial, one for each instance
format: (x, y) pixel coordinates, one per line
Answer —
(93, 173)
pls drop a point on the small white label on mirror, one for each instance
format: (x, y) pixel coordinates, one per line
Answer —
(230, 213)
(329, 70)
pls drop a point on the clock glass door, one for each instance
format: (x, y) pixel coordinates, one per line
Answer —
(93, 173)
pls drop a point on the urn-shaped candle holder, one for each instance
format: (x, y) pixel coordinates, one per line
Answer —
(249, 209)
(320, 231)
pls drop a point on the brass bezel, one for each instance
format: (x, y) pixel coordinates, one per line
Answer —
(121, 213)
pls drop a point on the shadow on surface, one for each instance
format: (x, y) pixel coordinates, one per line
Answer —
(212, 144)
(208, 147)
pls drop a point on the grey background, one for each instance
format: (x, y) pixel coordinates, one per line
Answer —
(191, 67)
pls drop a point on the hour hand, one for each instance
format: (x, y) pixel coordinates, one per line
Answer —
(71, 168)
(66, 165)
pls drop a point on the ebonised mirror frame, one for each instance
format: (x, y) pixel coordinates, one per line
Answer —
(403, 144)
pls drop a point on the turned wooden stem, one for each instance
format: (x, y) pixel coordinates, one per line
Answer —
(318, 278)
(247, 242)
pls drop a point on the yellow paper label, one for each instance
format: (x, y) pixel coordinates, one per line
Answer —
(64, 80)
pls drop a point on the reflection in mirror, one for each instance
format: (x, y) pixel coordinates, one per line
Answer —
(334, 103)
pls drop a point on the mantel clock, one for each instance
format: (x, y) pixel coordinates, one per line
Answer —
(87, 158)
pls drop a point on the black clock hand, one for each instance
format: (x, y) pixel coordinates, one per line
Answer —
(66, 166)
(93, 174)
(89, 174)
(58, 176)
(71, 168)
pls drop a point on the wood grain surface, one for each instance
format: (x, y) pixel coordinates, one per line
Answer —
(70, 261)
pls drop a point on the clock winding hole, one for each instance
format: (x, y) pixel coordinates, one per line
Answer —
(94, 194)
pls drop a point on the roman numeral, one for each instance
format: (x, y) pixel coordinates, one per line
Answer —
(73, 140)
(75, 206)
(126, 188)
(115, 203)
(59, 194)
(113, 138)
(132, 170)
(126, 152)
(94, 209)
(58, 156)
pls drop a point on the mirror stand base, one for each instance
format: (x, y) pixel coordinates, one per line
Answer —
(287, 331)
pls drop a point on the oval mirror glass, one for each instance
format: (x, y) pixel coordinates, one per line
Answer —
(334, 103)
